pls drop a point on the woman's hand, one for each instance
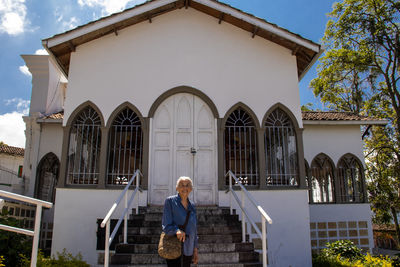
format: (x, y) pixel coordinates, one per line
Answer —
(181, 235)
(195, 256)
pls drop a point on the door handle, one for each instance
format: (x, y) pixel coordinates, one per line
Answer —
(193, 150)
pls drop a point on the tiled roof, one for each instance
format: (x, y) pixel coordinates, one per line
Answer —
(306, 115)
(333, 116)
(12, 150)
(55, 116)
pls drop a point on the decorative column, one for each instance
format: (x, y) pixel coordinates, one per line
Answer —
(300, 156)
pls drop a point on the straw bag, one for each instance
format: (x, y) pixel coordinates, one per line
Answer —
(169, 246)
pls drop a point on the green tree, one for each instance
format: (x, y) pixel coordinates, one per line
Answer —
(359, 73)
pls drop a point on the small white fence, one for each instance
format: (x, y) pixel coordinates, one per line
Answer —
(124, 216)
(241, 203)
(38, 216)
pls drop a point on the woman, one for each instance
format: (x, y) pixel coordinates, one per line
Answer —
(175, 211)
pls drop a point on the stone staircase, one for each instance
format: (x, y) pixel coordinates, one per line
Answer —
(220, 237)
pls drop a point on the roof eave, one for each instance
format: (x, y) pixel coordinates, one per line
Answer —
(344, 122)
(315, 58)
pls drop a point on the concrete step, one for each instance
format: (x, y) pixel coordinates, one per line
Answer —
(209, 210)
(204, 258)
(244, 264)
(203, 248)
(205, 223)
(214, 238)
(223, 219)
(201, 230)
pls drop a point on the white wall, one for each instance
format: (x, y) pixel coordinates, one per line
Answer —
(288, 236)
(182, 47)
(343, 212)
(333, 140)
(9, 163)
(45, 138)
(75, 219)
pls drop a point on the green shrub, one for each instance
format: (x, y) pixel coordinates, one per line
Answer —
(344, 248)
(1, 261)
(344, 253)
(63, 259)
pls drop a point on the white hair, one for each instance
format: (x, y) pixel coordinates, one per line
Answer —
(184, 178)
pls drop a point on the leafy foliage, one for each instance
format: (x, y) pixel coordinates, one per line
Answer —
(360, 73)
(1, 261)
(345, 253)
(63, 259)
(344, 248)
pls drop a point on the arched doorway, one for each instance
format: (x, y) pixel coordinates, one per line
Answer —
(47, 177)
(183, 143)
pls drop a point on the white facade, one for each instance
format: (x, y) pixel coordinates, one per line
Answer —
(9, 167)
(255, 72)
(216, 67)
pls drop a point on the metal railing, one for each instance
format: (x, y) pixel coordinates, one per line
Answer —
(241, 203)
(107, 219)
(36, 232)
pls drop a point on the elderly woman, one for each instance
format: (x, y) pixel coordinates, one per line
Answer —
(175, 210)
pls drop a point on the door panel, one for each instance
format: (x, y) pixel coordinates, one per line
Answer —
(192, 125)
(205, 161)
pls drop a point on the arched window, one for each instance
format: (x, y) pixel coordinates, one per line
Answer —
(240, 139)
(280, 150)
(84, 148)
(125, 147)
(47, 177)
(322, 184)
(350, 179)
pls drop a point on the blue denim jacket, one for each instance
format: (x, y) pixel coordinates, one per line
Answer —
(174, 215)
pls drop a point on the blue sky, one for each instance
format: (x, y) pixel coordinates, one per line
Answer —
(24, 23)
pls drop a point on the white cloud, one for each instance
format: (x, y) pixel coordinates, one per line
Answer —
(13, 16)
(12, 125)
(12, 129)
(109, 6)
(72, 23)
(41, 52)
(21, 105)
(24, 69)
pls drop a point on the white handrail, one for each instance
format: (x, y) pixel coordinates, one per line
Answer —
(38, 216)
(106, 220)
(264, 216)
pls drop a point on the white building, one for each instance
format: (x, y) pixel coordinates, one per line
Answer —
(195, 88)
(11, 166)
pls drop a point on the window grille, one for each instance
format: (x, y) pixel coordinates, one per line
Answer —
(84, 148)
(280, 150)
(350, 180)
(322, 182)
(240, 140)
(125, 147)
(47, 178)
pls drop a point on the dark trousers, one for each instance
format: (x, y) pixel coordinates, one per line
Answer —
(187, 260)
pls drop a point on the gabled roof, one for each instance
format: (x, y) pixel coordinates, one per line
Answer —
(61, 45)
(332, 117)
(12, 150)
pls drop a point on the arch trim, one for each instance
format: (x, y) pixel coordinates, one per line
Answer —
(81, 107)
(183, 89)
